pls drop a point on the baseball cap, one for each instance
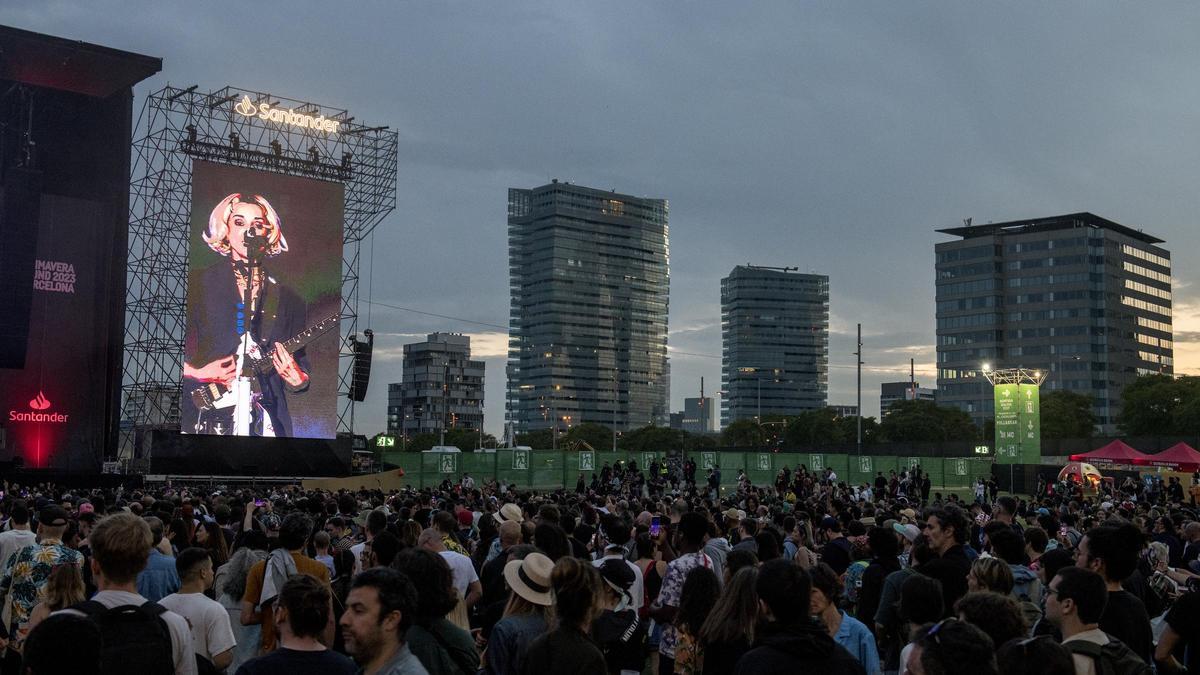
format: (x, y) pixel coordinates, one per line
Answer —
(53, 516)
(909, 531)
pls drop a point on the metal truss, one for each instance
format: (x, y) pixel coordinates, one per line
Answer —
(182, 124)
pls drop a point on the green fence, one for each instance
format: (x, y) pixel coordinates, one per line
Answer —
(550, 469)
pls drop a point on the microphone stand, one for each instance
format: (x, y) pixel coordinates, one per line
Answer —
(255, 252)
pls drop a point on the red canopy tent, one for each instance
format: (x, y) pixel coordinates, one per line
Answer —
(1113, 453)
(1178, 457)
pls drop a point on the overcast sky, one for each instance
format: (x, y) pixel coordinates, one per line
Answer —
(830, 136)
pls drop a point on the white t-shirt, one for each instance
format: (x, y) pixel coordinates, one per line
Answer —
(464, 571)
(637, 590)
(181, 636)
(211, 630)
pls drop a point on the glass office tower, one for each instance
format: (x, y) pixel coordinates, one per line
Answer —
(589, 282)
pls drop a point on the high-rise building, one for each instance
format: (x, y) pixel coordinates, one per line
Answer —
(589, 282)
(441, 388)
(844, 409)
(775, 342)
(1085, 300)
(890, 392)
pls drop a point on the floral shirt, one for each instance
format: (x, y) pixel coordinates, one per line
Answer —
(672, 592)
(26, 573)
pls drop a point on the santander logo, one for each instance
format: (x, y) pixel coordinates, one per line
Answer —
(39, 403)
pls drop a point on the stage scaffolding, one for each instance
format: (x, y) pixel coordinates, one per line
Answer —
(182, 124)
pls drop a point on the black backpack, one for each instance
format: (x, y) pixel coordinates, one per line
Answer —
(134, 639)
(1114, 658)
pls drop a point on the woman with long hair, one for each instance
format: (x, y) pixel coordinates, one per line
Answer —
(990, 574)
(229, 585)
(700, 592)
(64, 587)
(526, 616)
(210, 537)
(569, 648)
(438, 644)
(728, 631)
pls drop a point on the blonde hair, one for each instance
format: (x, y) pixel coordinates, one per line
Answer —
(217, 233)
(64, 587)
(993, 574)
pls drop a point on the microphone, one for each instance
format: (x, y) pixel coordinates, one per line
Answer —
(256, 245)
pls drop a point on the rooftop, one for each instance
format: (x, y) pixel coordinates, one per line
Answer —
(1063, 222)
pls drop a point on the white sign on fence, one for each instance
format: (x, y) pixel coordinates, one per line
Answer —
(587, 461)
(708, 460)
(816, 462)
(448, 463)
(647, 459)
(764, 462)
(520, 460)
(960, 467)
(864, 465)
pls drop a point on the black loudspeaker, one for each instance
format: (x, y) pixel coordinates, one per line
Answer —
(19, 213)
(361, 375)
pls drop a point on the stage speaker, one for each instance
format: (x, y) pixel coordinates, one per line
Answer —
(361, 375)
(19, 212)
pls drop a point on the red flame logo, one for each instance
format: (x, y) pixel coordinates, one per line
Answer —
(40, 403)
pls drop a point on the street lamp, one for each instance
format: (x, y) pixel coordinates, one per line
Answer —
(1060, 368)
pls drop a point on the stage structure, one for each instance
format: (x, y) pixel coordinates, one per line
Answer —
(244, 128)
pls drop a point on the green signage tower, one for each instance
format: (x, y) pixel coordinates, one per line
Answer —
(1016, 396)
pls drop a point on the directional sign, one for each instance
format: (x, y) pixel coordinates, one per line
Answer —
(587, 461)
(520, 460)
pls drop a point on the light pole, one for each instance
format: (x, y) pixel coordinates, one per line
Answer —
(1060, 369)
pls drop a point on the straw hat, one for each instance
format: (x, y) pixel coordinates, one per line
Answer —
(509, 512)
(530, 578)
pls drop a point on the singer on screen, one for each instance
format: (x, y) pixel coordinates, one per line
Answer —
(237, 373)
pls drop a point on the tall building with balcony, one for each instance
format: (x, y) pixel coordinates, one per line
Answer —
(589, 283)
(775, 342)
(441, 387)
(1081, 298)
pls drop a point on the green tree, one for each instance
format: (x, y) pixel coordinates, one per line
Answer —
(652, 438)
(1159, 404)
(540, 439)
(463, 439)
(742, 434)
(1066, 414)
(848, 430)
(596, 435)
(813, 428)
(925, 421)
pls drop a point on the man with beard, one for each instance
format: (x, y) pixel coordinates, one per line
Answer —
(379, 610)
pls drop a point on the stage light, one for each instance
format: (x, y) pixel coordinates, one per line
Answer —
(987, 367)
(191, 132)
(314, 155)
(347, 157)
(235, 141)
(277, 148)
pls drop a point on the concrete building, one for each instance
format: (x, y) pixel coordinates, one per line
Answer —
(775, 342)
(589, 285)
(697, 416)
(840, 410)
(890, 392)
(441, 388)
(1082, 298)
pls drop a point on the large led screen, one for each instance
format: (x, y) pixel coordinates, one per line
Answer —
(264, 292)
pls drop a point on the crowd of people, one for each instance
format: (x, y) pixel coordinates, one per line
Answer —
(632, 572)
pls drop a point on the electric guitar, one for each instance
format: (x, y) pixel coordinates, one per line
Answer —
(251, 358)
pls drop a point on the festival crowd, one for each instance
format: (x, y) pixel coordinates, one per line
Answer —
(633, 571)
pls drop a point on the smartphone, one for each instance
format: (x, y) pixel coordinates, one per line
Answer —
(260, 502)
(655, 526)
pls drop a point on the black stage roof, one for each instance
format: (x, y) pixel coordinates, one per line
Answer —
(1071, 220)
(70, 65)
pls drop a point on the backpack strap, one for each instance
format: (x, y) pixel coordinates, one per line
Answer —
(153, 608)
(1092, 651)
(90, 608)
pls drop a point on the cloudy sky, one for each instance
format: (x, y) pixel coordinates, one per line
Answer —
(834, 137)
